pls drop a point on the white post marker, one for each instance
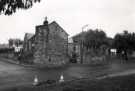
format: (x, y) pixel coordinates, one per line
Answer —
(35, 81)
(61, 78)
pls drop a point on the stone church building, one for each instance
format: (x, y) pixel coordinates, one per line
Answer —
(49, 44)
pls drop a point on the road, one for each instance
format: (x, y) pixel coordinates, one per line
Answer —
(13, 74)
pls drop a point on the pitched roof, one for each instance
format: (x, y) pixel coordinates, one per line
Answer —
(29, 35)
(55, 23)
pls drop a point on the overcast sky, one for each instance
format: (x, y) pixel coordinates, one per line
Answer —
(112, 16)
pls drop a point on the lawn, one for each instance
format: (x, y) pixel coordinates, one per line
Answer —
(120, 83)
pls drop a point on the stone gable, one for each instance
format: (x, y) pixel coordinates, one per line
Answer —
(50, 44)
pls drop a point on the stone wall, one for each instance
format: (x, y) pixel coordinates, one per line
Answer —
(50, 47)
(57, 46)
(40, 45)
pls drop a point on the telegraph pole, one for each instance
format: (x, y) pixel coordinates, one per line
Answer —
(81, 43)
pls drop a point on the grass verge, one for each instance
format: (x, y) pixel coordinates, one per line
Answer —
(119, 83)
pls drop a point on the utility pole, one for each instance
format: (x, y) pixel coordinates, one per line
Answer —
(81, 43)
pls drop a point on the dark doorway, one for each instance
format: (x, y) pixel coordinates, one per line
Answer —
(73, 59)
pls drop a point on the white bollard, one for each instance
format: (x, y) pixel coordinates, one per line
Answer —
(35, 81)
(61, 78)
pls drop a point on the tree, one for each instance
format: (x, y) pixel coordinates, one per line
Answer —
(9, 7)
(15, 42)
(95, 38)
(124, 43)
(10, 42)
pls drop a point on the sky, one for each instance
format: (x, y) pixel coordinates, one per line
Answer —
(112, 16)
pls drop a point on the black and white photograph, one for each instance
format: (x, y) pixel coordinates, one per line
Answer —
(67, 45)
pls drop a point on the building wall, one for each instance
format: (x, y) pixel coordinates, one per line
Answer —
(51, 49)
(58, 37)
(74, 48)
(40, 55)
(27, 44)
(55, 28)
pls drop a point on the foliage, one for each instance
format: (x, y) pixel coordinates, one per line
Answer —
(95, 38)
(9, 7)
(15, 42)
(124, 41)
(6, 50)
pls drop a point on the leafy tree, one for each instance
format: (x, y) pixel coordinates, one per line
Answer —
(9, 7)
(124, 42)
(15, 42)
(10, 41)
(95, 38)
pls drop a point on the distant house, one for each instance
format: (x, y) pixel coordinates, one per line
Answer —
(49, 44)
(84, 54)
(73, 50)
(70, 46)
(16, 44)
(27, 42)
(113, 51)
